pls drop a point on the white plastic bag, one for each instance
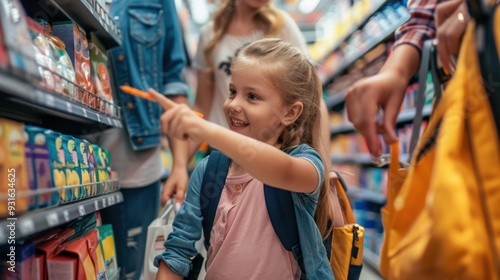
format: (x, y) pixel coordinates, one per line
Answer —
(158, 232)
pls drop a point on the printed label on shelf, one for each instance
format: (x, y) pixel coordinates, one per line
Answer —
(117, 197)
(96, 204)
(85, 113)
(66, 215)
(104, 203)
(27, 226)
(110, 201)
(81, 210)
(69, 107)
(52, 219)
(98, 117)
(49, 100)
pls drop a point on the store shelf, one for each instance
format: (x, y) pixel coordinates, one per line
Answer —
(341, 129)
(404, 117)
(347, 61)
(367, 195)
(336, 100)
(371, 258)
(46, 218)
(353, 28)
(26, 103)
(87, 13)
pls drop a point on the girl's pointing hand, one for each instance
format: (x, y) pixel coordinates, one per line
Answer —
(178, 120)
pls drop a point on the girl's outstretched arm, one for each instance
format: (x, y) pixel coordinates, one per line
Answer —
(265, 162)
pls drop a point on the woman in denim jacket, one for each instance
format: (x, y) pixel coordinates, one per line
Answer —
(151, 56)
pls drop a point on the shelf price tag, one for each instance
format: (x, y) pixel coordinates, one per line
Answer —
(110, 202)
(96, 204)
(27, 226)
(85, 112)
(81, 210)
(52, 219)
(49, 100)
(66, 215)
(69, 107)
(104, 203)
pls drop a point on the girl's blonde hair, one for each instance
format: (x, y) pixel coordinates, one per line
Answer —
(268, 18)
(292, 75)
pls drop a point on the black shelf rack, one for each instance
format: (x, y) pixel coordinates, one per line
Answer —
(22, 101)
(87, 13)
(40, 220)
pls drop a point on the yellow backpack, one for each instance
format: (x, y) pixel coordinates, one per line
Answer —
(442, 217)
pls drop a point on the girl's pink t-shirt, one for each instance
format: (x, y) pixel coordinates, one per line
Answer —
(243, 243)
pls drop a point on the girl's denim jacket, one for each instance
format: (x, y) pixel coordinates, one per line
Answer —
(187, 225)
(151, 56)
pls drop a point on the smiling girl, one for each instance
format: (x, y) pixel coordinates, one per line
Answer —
(272, 111)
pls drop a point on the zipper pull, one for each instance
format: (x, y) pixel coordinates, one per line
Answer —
(355, 233)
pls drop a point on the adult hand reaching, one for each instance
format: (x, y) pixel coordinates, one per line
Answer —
(451, 21)
(363, 101)
(176, 184)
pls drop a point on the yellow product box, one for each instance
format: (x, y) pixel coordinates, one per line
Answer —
(101, 166)
(85, 172)
(107, 241)
(57, 163)
(73, 171)
(13, 175)
(92, 167)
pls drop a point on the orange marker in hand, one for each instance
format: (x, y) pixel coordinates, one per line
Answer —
(149, 96)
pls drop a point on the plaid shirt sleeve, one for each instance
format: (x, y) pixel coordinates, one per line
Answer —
(421, 25)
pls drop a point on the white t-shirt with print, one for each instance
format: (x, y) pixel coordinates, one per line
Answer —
(225, 51)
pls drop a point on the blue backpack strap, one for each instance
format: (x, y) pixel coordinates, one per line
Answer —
(281, 212)
(211, 190)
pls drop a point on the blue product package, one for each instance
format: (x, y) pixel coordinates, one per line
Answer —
(42, 166)
(57, 163)
(72, 167)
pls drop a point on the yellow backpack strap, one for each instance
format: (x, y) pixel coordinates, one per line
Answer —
(341, 205)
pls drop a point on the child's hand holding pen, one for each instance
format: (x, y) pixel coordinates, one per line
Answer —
(178, 120)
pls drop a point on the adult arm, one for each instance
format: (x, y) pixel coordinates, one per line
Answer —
(386, 90)
(174, 61)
